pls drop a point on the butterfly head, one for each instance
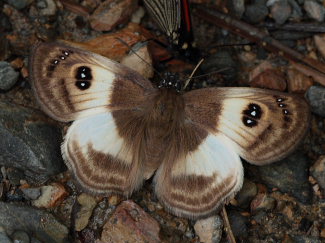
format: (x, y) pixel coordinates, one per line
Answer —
(170, 81)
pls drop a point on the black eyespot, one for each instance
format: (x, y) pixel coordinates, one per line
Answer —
(253, 111)
(66, 53)
(83, 85)
(279, 100)
(249, 122)
(83, 73)
(55, 62)
(62, 57)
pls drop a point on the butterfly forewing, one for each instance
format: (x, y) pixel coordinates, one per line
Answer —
(71, 83)
(263, 125)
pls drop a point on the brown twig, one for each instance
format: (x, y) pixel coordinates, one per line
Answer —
(262, 38)
(75, 8)
(227, 226)
(301, 27)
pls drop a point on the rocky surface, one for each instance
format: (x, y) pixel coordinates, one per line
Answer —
(36, 222)
(29, 142)
(39, 202)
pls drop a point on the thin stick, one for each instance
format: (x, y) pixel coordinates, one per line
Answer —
(189, 79)
(227, 226)
(299, 26)
(210, 73)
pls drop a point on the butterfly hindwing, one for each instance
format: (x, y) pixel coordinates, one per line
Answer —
(101, 160)
(263, 125)
(197, 183)
(71, 83)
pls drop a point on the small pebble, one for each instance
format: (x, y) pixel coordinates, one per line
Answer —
(138, 15)
(256, 12)
(209, 229)
(270, 79)
(314, 10)
(113, 200)
(221, 60)
(320, 43)
(8, 76)
(130, 223)
(316, 98)
(144, 65)
(318, 171)
(20, 237)
(87, 203)
(51, 196)
(237, 7)
(296, 13)
(246, 194)
(48, 7)
(31, 193)
(298, 82)
(111, 13)
(281, 11)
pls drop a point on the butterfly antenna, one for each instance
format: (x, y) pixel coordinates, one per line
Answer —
(191, 76)
(213, 72)
(131, 49)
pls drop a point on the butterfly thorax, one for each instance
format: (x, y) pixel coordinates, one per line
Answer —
(167, 108)
(170, 81)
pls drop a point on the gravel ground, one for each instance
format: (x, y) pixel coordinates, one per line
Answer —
(280, 202)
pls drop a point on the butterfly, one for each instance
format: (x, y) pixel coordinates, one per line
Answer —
(173, 17)
(125, 130)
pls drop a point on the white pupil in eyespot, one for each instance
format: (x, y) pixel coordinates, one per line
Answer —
(83, 75)
(253, 113)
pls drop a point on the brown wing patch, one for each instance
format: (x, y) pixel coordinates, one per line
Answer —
(102, 173)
